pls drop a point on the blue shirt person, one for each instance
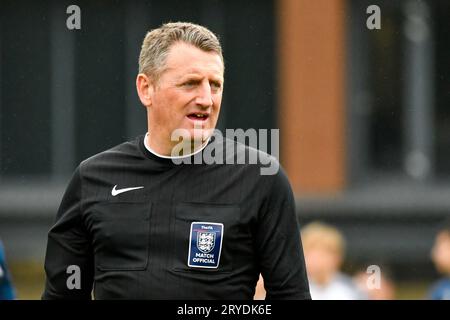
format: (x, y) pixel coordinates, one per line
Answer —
(440, 290)
(6, 288)
(440, 254)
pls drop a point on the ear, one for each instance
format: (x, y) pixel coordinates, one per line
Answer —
(145, 89)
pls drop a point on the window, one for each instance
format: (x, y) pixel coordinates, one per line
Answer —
(399, 92)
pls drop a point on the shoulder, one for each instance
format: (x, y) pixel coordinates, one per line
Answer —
(241, 149)
(442, 283)
(440, 290)
(263, 168)
(254, 159)
(115, 155)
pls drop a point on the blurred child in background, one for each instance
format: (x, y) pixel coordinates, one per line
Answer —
(324, 248)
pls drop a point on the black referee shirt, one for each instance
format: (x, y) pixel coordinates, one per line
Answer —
(137, 226)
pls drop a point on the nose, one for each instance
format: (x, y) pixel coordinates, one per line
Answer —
(204, 96)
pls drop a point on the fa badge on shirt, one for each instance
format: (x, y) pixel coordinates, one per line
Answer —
(205, 244)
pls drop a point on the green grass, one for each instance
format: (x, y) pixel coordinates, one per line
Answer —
(412, 290)
(29, 278)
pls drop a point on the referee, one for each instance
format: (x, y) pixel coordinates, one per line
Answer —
(135, 223)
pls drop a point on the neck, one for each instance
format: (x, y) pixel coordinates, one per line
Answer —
(159, 146)
(179, 149)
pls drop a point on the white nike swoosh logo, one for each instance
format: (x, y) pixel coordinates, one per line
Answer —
(115, 191)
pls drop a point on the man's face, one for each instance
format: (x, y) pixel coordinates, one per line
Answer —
(322, 261)
(188, 93)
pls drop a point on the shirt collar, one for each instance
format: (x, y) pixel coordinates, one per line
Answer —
(173, 157)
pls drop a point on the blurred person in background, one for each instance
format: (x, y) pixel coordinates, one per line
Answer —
(385, 290)
(6, 288)
(440, 255)
(324, 248)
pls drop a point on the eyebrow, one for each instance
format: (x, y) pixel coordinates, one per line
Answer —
(194, 74)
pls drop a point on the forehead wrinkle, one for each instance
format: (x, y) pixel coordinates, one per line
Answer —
(217, 75)
(195, 66)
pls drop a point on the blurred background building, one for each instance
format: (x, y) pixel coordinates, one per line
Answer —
(365, 131)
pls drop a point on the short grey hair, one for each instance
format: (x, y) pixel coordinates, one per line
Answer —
(157, 43)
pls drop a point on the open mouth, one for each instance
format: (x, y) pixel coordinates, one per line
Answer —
(198, 116)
